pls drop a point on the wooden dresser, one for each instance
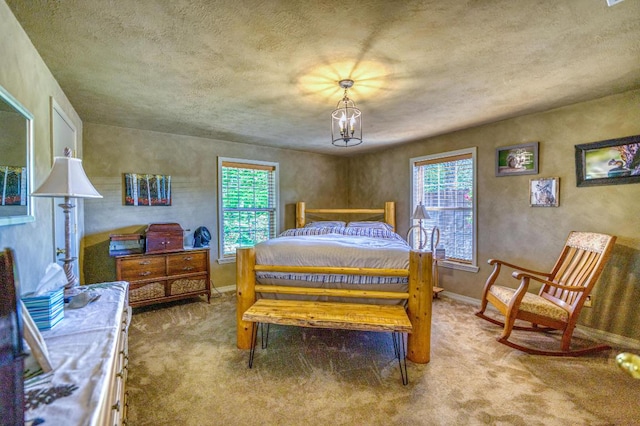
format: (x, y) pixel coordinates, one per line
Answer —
(163, 277)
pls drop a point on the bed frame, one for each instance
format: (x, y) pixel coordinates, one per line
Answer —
(419, 296)
(389, 212)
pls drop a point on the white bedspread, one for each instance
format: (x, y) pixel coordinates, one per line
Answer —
(333, 250)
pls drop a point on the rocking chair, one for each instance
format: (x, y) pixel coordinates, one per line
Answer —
(559, 302)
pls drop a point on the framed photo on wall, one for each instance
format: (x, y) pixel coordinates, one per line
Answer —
(609, 162)
(544, 192)
(517, 160)
(147, 189)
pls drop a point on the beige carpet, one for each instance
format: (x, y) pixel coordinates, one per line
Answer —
(185, 370)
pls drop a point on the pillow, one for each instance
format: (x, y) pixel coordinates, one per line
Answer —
(325, 224)
(372, 224)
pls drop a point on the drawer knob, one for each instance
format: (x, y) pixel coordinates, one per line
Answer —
(188, 258)
(187, 268)
(144, 262)
(145, 273)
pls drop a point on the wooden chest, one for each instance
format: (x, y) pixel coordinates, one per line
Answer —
(163, 277)
(164, 237)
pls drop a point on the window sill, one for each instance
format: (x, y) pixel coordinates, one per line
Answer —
(223, 260)
(459, 266)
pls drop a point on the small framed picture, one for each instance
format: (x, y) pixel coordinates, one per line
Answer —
(147, 189)
(609, 162)
(544, 192)
(517, 160)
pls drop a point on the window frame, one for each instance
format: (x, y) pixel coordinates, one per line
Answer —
(276, 202)
(473, 151)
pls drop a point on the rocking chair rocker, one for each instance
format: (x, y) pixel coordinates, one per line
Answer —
(559, 302)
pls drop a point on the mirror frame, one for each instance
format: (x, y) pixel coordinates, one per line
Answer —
(30, 216)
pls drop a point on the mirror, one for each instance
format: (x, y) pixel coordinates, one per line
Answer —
(16, 168)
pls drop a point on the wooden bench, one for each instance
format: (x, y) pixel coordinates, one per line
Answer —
(346, 316)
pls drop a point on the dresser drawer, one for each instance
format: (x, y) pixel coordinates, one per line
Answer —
(186, 263)
(142, 268)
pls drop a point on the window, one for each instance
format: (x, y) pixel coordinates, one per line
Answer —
(446, 184)
(248, 200)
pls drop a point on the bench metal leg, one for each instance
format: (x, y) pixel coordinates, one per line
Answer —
(265, 336)
(254, 338)
(401, 354)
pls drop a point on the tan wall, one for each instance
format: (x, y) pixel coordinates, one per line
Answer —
(507, 227)
(192, 164)
(27, 78)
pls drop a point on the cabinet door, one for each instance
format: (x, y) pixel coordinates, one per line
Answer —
(188, 285)
(141, 292)
(186, 263)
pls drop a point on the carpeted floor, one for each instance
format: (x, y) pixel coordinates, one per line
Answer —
(184, 369)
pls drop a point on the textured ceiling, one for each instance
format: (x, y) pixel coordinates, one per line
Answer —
(266, 72)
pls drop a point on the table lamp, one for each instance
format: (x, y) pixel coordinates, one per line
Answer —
(67, 179)
(420, 214)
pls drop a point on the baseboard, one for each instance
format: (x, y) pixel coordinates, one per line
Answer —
(225, 289)
(616, 339)
(592, 333)
(461, 298)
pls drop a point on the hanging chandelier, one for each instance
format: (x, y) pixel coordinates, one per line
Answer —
(346, 120)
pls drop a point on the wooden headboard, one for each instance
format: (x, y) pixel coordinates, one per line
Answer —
(389, 213)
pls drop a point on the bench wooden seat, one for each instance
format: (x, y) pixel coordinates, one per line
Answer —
(346, 316)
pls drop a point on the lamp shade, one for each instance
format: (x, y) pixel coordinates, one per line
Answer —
(67, 179)
(420, 212)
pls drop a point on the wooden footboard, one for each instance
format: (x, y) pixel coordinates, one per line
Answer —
(419, 297)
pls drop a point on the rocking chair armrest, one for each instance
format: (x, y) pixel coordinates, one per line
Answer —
(519, 275)
(519, 268)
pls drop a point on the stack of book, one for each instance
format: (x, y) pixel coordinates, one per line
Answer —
(46, 309)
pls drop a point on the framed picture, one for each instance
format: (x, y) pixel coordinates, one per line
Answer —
(609, 162)
(13, 186)
(147, 190)
(544, 192)
(517, 160)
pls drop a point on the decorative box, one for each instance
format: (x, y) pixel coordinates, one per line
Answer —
(47, 309)
(163, 237)
(121, 244)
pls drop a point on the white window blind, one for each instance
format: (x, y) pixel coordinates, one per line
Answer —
(445, 185)
(248, 203)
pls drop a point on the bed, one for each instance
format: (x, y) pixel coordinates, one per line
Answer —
(364, 262)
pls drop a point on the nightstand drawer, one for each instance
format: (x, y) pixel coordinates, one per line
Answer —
(142, 268)
(186, 263)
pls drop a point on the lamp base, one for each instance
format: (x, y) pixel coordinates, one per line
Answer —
(423, 232)
(72, 280)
